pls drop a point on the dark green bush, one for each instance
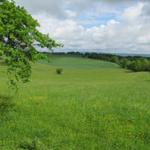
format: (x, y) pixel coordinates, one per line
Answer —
(59, 71)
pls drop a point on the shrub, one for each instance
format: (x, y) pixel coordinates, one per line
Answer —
(59, 71)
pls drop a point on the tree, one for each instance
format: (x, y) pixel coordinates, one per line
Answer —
(18, 37)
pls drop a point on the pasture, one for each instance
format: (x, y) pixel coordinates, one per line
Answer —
(92, 105)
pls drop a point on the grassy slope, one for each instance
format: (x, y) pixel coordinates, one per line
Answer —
(93, 105)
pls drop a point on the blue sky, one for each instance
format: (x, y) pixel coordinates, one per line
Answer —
(89, 25)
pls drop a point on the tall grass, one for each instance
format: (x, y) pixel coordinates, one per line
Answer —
(92, 105)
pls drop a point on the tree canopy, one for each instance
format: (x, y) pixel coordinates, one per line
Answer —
(18, 36)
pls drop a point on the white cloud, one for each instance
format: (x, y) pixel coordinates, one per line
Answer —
(127, 31)
(131, 14)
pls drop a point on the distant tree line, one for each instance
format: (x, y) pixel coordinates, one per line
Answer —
(133, 63)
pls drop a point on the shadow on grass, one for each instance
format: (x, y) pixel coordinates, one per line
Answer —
(28, 145)
(6, 104)
(129, 71)
(34, 144)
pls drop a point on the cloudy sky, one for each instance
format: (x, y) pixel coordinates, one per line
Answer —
(95, 25)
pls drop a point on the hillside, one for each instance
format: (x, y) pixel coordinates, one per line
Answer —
(92, 105)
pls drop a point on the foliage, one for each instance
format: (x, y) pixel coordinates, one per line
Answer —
(19, 37)
(139, 65)
(59, 71)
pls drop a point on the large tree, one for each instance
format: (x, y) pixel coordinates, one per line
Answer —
(18, 36)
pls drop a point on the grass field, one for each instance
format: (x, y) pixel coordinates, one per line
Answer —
(93, 105)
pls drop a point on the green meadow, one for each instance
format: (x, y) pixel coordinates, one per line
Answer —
(92, 105)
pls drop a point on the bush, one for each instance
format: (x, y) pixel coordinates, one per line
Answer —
(139, 65)
(59, 71)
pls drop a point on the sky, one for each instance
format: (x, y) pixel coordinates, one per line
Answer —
(116, 26)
